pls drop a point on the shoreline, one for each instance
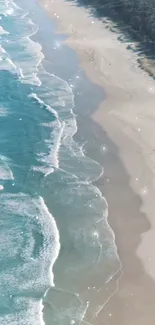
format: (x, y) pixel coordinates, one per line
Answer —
(127, 121)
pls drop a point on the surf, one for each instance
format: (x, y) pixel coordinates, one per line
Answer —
(47, 180)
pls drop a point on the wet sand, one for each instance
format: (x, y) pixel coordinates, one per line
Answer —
(124, 124)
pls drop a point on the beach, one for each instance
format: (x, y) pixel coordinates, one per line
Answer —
(124, 124)
(76, 169)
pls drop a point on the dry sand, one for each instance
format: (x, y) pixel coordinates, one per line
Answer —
(127, 115)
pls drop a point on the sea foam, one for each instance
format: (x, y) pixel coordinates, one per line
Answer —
(25, 292)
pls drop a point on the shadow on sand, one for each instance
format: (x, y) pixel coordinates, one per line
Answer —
(115, 21)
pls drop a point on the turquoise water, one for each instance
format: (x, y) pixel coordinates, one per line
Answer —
(50, 211)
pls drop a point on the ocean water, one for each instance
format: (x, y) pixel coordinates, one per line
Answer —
(55, 241)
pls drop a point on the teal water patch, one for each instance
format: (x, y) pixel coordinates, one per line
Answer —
(49, 207)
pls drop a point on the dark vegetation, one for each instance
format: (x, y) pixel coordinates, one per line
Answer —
(137, 14)
(135, 18)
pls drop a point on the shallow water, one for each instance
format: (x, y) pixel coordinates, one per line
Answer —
(50, 210)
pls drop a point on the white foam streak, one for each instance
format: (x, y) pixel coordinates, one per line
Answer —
(50, 160)
(21, 73)
(56, 242)
(2, 50)
(5, 170)
(53, 157)
(24, 15)
(11, 63)
(3, 31)
(41, 102)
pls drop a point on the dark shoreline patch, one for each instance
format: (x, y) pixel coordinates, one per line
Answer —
(116, 19)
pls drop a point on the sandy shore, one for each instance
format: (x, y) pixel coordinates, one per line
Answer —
(127, 117)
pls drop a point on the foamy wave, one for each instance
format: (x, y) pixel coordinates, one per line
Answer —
(31, 315)
(5, 170)
(43, 104)
(34, 209)
(30, 53)
(9, 8)
(24, 218)
(11, 63)
(50, 159)
(9, 11)
(30, 68)
(5, 173)
(5, 61)
(63, 94)
(3, 112)
(3, 31)
(63, 133)
(62, 98)
(53, 157)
